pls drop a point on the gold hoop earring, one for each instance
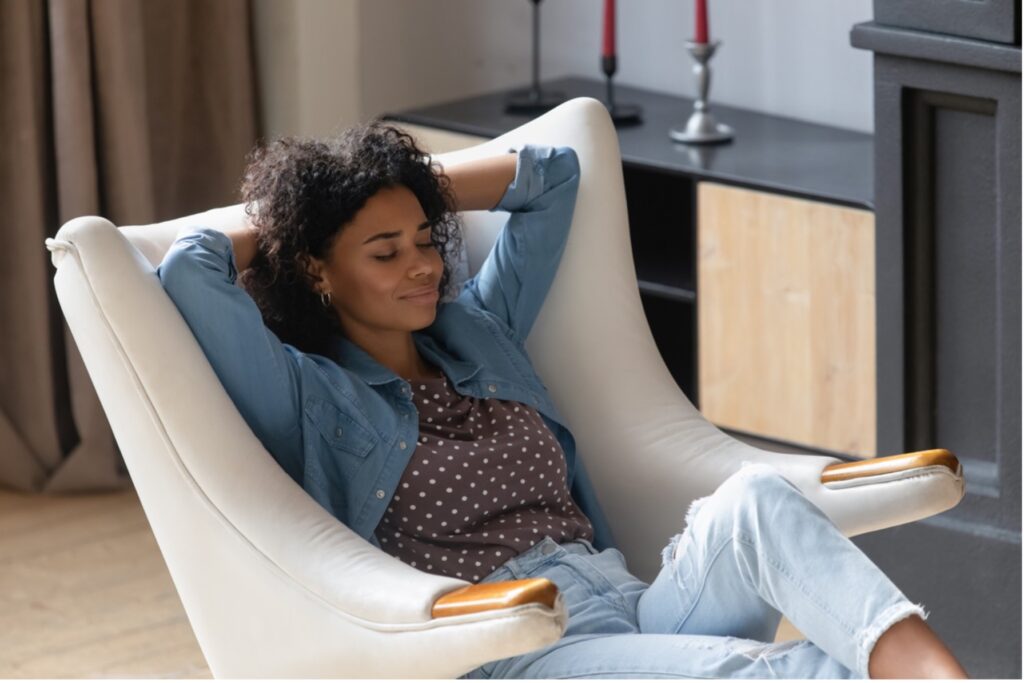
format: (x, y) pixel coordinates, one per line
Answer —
(325, 299)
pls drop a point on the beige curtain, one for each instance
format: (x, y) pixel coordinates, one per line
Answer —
(136, 110)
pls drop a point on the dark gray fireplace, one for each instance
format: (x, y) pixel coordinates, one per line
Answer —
(947, 77)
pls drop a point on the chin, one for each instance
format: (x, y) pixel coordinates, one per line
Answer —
(422, 321)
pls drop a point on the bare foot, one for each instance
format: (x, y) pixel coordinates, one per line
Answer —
(910, 649)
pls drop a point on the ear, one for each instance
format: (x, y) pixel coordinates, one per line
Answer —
(315, 269)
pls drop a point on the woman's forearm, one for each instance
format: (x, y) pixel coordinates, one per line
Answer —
(243, 243)
(479, 184)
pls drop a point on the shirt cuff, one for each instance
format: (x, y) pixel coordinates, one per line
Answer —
(212, 242)
(528, 182)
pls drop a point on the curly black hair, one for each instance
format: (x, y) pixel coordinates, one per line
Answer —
(300, 193)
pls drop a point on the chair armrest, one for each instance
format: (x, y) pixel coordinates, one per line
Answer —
(840, 475)
(870, 495)
(863, 495)
(483, 597)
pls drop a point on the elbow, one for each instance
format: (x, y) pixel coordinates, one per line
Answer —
(565, 167)
(177, 276)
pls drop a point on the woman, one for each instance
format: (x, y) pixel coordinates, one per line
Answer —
(410, 410)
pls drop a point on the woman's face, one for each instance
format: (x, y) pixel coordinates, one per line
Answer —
(377, 260)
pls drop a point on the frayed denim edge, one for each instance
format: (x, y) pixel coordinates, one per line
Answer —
(669, 551)
(885, 620)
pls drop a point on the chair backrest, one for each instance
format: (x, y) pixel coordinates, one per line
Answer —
(591, 343)
(241, 539)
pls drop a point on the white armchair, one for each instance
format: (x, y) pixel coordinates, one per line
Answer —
(274, 586)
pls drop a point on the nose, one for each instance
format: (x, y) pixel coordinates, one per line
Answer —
(424, 263)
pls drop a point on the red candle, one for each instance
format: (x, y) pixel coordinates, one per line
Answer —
(701, 21)
(608, 44)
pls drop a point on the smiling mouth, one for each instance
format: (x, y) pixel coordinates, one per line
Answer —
(424, 296)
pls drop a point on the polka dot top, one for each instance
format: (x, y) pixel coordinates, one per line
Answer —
(486, 482)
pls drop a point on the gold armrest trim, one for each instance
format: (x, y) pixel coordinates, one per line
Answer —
(481, 597)
(843, 471)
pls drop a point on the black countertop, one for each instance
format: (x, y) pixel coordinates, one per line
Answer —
(768, 152)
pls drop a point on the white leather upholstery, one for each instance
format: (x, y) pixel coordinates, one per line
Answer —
(276, 587)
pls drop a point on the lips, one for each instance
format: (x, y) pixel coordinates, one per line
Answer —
(422, 293)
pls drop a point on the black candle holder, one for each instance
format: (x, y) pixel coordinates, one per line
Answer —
(534, 100)
(625, 114)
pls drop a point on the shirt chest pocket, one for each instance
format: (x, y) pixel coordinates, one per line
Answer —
(338, 429)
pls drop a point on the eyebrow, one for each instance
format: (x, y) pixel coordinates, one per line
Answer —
(388, 235)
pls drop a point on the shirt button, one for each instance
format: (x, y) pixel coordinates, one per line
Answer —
(402, 444)
(380, 493)
(491, 388)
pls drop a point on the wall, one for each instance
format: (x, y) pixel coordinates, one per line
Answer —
(789, 57)
(325, 64)
(307, 56)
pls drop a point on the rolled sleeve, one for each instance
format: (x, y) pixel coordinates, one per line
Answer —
(514, 279)
(259, 373)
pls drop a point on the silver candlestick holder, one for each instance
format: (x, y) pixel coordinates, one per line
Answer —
(701, 126)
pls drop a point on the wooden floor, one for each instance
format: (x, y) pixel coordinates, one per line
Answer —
(84, 592)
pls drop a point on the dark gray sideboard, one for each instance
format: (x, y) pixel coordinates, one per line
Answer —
(948, 286)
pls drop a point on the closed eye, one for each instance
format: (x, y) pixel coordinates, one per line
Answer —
(388, 257)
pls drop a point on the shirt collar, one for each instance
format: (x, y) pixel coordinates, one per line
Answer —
(353, 358)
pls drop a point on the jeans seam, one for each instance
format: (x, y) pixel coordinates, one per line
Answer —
(789, 577)
(703, 583)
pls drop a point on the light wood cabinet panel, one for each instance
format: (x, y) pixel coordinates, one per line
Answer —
(786, 318)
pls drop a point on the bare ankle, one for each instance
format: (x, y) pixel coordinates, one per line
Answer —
(910, 649)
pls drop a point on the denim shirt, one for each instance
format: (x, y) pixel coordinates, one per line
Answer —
(344, 428)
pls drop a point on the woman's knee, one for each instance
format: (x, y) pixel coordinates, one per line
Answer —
(736, 507)
(753, 493)
(759, 478)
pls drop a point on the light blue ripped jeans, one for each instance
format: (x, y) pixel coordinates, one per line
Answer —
(752, 551)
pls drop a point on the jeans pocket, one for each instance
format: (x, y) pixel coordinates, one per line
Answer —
(598, 583)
